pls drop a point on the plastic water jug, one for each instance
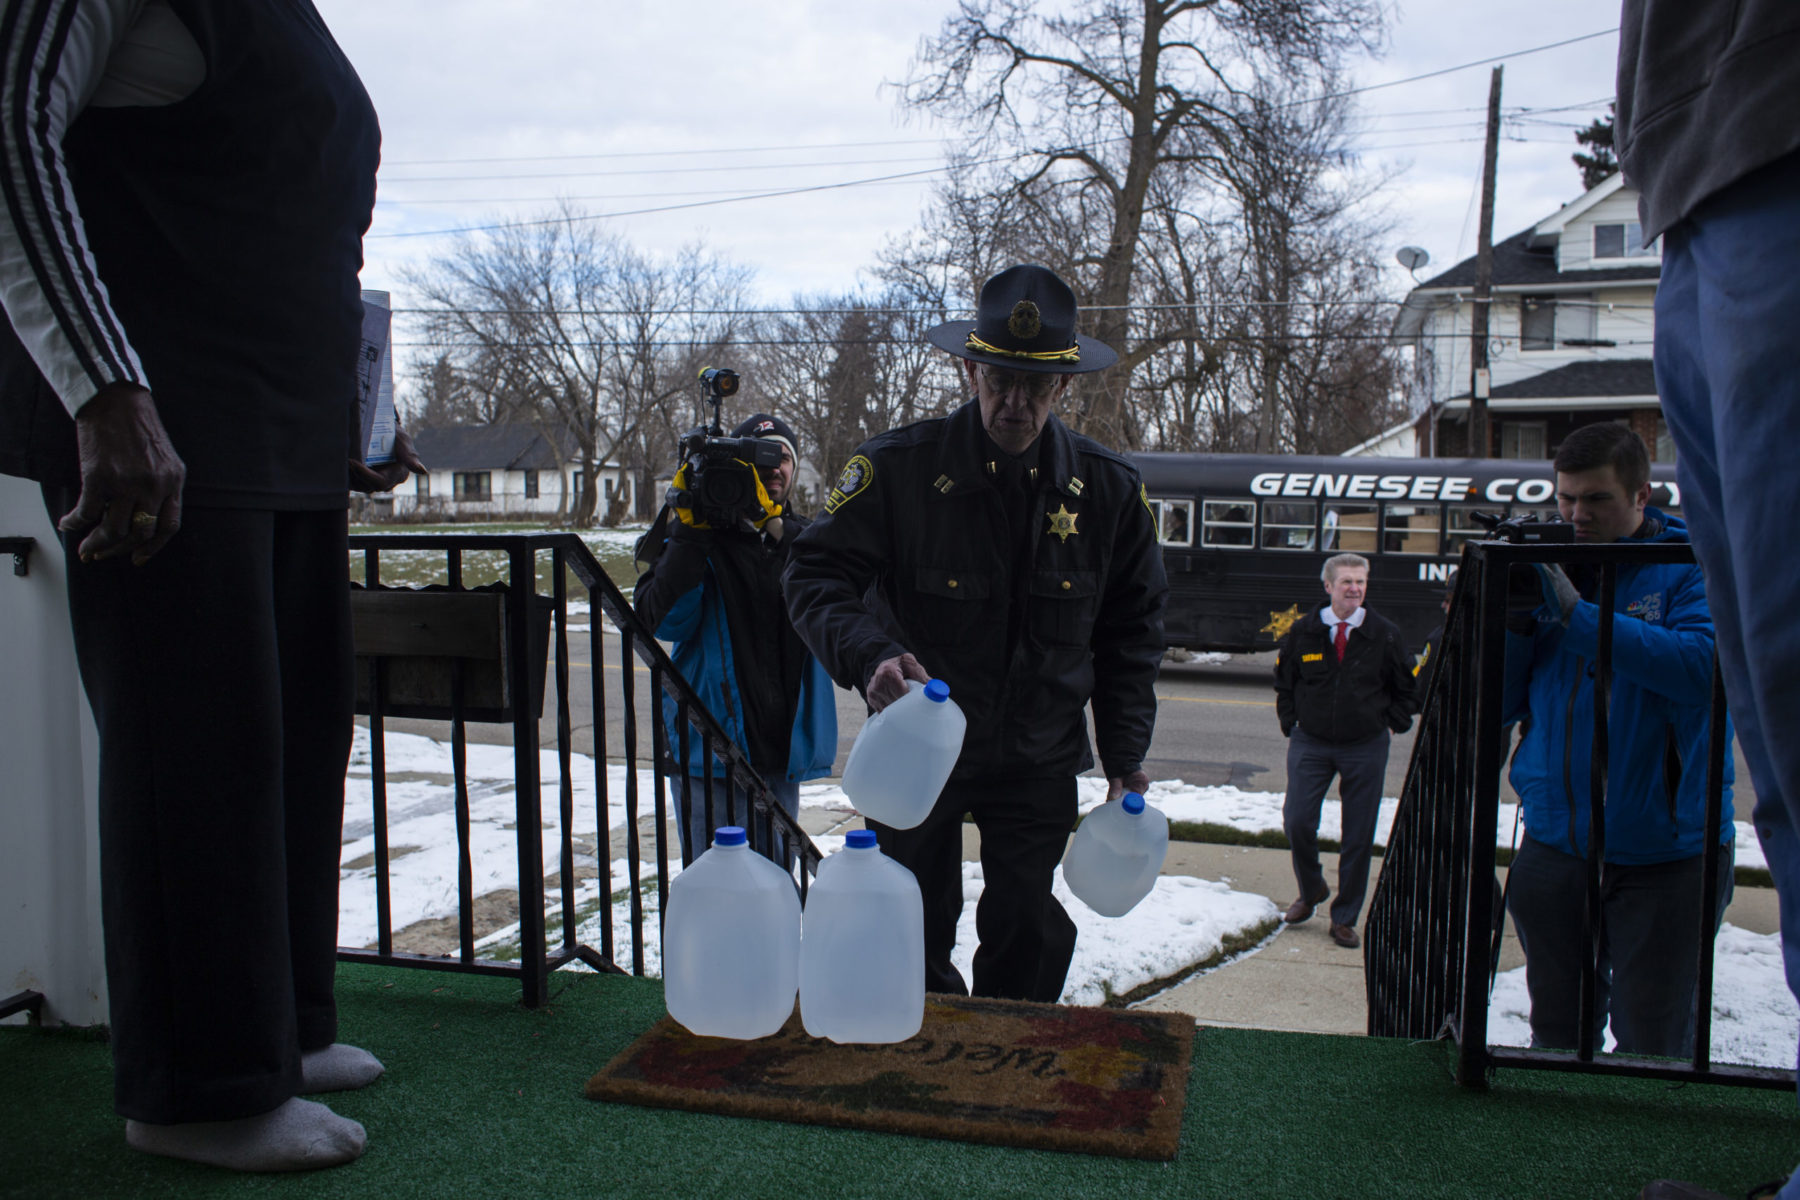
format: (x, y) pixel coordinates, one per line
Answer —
(904, 754)
(862, 948)
(1116, 855)
(731, 942)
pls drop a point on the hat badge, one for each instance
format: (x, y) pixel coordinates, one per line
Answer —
(1025, 323)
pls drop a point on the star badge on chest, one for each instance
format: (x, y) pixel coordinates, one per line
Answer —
(1062, 522)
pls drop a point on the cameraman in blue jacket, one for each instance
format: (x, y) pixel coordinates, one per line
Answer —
(1657, 731)
(715, 593)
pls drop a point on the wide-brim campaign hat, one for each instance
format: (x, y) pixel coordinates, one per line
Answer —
(1025, 321)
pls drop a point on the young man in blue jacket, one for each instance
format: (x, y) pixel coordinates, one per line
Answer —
(716, 594)
(1657, 731)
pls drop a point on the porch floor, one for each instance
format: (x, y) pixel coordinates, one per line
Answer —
(483, 1098)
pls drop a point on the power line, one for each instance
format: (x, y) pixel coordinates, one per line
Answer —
(712, 170)
(1480, 62)
(792, 146)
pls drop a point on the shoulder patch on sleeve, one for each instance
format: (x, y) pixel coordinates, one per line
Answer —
(858, 473)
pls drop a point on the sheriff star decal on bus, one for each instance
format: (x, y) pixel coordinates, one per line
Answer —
(1281, 622)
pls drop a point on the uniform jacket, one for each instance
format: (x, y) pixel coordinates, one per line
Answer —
(717, 597)
(915, 554)
(1370, 691)
(1657, 721)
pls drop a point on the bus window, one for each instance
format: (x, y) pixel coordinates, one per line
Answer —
(1350, 528)
(1288, 524)
(1174, 522)
(1410, 529)
(1228, 523)
(1464, 527)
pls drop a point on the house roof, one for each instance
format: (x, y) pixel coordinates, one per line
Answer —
(1554, 224)
(1517, 264)
(501, 447)
(1597, 378)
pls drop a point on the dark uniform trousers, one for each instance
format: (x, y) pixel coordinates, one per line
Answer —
(1360, 768)
(220, 677)
(1026, 939)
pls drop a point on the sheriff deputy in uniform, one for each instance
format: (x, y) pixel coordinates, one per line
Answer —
(1343, 681)
(1017, 561)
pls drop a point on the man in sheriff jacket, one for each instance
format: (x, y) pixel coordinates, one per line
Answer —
(716, 594)
(1343, 684)
(1657, 732)
(1017, 561)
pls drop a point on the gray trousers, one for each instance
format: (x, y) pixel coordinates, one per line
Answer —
(1649, 947)
(1360, 768)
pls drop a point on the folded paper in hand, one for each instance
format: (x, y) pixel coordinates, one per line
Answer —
(375, 380)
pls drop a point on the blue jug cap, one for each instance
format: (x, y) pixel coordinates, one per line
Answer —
(859, 839)
(729, 835)
(1132, 803)
(937, 690)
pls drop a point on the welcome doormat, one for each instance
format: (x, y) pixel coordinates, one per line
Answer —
(1009, 1072)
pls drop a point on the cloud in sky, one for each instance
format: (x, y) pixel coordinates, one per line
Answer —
(688, 88)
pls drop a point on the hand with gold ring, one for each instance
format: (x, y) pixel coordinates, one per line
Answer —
(131, 477)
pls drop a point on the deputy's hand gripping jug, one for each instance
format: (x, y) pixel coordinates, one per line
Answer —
(862, 948)
(731, 942)
(1116, 855)
(904, 754)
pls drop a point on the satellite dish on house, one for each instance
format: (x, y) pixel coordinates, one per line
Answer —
(1412, 257)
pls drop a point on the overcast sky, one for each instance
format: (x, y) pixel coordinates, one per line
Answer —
(696, 100)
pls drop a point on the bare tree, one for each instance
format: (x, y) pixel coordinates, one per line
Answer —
(1104, 100)
(591, 341)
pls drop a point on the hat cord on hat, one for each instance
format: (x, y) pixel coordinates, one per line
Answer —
(1071, 355)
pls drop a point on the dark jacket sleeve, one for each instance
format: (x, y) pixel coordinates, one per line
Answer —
(678, 570)
(1128, 642)
(832, 567)
(1403, 688)
(1284, 682)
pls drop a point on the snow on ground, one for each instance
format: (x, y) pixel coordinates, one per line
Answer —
(1754, 1021)
(1183, 922)
(1260, 812)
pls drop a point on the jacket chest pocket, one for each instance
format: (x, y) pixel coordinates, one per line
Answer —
(1063, 606)
(1313, 665)
(948, 605)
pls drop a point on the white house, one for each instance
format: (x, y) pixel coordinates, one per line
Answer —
(497, 472)
(1569, 335)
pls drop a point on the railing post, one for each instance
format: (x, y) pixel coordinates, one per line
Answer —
(1709, 870)
(521, 594)
(1490, 698)
(1593, 917)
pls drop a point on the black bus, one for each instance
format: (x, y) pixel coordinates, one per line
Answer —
(1244, 536)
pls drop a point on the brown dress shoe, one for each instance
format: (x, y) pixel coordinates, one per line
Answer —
(1345, 936)
(1302, 909)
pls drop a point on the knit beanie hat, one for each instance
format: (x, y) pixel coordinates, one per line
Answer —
(771, 429)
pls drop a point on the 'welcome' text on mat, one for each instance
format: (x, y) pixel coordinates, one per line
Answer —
(1046, 1076)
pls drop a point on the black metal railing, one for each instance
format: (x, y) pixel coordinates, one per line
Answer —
(1433, 932)
(462, 655)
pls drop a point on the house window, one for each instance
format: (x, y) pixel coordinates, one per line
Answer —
(1623, 240)
(423, 488)
(531, 485)
(1174, 522)
(577, 482)
(1524, 439)
(1288, 524)
(1547, 322)
(471, 485)
(1228, 523)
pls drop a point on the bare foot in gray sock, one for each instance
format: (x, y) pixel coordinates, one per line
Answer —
(337, 1068)
(301, 1135)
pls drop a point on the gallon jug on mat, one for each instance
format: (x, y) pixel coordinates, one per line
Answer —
(1116, 855)
(731, 942)
(904, 754)
(862, 948)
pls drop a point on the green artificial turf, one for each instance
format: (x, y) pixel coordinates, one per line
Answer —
(483, 1098)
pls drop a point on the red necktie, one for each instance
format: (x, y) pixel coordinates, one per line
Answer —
(1341, 639)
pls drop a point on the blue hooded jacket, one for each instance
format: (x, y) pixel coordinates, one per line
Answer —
(1656, 726)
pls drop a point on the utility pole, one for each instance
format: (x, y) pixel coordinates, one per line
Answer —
(1480, 443)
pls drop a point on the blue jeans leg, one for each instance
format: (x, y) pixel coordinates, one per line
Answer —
(1726, 308)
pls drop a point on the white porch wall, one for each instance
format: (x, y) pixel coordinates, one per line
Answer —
(50, 850)
(1630, 323)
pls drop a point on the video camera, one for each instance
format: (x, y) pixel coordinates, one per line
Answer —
(1524, 530)
(721, 471)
